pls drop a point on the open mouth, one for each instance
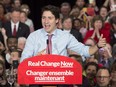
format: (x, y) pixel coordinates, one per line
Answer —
(47, 26)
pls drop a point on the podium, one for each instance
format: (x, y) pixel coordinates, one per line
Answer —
(49, 69)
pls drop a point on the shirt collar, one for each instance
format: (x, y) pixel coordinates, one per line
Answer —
(14, 23)
(54, 33)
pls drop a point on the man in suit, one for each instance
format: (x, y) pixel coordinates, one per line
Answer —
(105, 57)
(14, 27)
(67, 26)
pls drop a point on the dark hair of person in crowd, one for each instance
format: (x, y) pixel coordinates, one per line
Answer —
(65, 18)
(105, 68)
(92, 64)
(53, 9)
(3, 7)
(15, 9)
(18, 51)
(114, 51)
(77, 58)
(113, 67)
(112, 21)
(96, 18)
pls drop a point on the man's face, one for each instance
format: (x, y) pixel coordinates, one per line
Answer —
(21, 44)
(80, 3)
(15, 16)
(49, 21)
(12, 43)
(90, 71)
(67, 24)
(103, 12)
(103, 77)
(17, 3)
(14, 56)
(113, 75)
(65, 10)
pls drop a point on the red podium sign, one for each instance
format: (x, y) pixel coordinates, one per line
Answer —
(49, 69)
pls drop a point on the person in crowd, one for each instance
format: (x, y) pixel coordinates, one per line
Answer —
(80, 4)
(25, 8)
(114, 51)
(67, 26)
(8, 5)
(74, 13)
(112, 11)
(14, 27)
(90, 72)
(113, 30)
(103, 77)
(2, 13)
(103, 12)
(3, 81)
(113, 74)
(90, 42)
(15, 56)
(24, 18)
(98, 24)
(12, 45)
(16, 3)
(2, 47)
(2, 58)
(92, 58)
(105, 56)
(21, 43)
(65, 9)
(79, 25)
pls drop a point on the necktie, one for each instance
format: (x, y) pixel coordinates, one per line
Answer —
(14, 31)
(49, 44)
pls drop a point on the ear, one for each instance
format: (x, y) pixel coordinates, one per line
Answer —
(57, 20)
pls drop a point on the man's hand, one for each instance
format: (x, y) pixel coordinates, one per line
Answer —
(43, 52)
(101, 42)
(3, 31)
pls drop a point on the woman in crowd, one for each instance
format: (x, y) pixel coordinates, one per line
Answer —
(98, 25)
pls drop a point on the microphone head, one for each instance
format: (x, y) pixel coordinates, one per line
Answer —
(47, 41)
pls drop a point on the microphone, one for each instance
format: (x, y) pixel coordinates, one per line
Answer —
(48, 50)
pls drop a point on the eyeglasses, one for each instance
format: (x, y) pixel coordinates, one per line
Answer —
(102, 77)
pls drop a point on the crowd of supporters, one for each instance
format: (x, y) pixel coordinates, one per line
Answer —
(85, 21)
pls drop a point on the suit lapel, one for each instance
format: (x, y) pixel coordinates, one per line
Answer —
(19, 29)
(10, 29)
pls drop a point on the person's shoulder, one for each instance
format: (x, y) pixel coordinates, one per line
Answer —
(64, 34)
(38, 31)
(59, 31)
(6, 23)
(35, 34)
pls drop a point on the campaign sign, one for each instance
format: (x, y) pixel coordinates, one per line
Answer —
(50, 69)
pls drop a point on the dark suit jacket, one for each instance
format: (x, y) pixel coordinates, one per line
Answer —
(23, 30)
(77, 35)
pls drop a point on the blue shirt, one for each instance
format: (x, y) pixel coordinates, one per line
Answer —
(61, 41)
